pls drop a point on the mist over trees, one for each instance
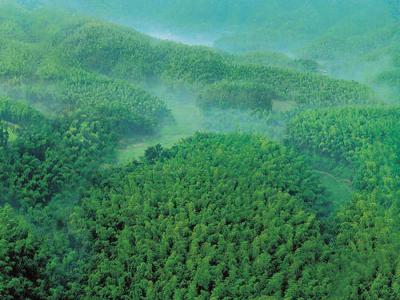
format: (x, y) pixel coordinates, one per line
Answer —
(264, 167)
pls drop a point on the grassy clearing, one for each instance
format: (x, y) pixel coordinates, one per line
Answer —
(283, 106)
(188, 120)
(12, 135)
(338, 191)
(336, 178)
(12, 131)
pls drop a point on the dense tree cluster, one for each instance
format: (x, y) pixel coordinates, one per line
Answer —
(242, 95)
(341, 35)
(217, 216)
(126, 54)
(276, 59)
(195, 66)
(173, 230)
(323, 30)
(366, 242)
(304, 88)
(35, 67)
(364, 136)
(47, 154)
(22, 265)
(95, 67)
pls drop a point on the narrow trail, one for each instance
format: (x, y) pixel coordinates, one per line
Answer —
(337, 190)
(338, 180)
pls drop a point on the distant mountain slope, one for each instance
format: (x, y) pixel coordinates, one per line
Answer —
(301, 21)
(64, 55)
(347, 37)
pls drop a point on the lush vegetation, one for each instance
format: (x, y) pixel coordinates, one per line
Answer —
(22, 265)
(227, 94)
(68, 75)
(145, 59)
(366, 138)
(46, 155)
(221, 214)
(175, 227)
(34, 68)
(347, 38)
(276, 59)
(324, 29)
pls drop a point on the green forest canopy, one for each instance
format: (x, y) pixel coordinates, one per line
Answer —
(217, 216)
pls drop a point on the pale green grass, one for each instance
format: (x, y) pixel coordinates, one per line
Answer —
(336, 178)
(12, 135)
(283, 106)
(188, 120)
(12, 131)
(338, 191)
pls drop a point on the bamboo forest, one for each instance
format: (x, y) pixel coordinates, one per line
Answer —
(177, 149)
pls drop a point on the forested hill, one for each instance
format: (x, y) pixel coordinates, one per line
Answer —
(278, 24)
(176, 221)
(215, 214)
(351, 39)
(81, 51)
(365, 138)
(168, 227)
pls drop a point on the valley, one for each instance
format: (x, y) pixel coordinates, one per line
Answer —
(207, 150)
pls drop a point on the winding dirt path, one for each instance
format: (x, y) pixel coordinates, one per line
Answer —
(338, 180)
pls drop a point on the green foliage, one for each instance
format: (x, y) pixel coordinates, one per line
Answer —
(341, 132)
(217, 216)
(366, 242)
(126, 54)
(155, 153)
(367, 245)
(47, 155)
(22, 265)
(275, 59)
(241, 95)
(194, 64)
(364, 136)
(116, 103)
(188, 226)
(4, 135)
(18, 113)
(341, 35)
(39, 70)
(305, 88)
(119, 50)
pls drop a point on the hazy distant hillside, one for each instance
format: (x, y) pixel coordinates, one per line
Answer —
(344, 35)
(301, 21)
(120, 53)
